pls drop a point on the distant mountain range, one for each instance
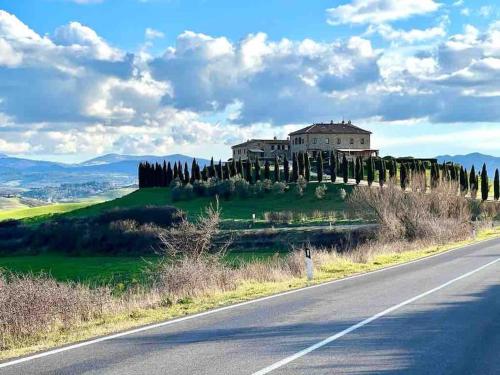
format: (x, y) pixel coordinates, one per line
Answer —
(119, 170)
(476, 159)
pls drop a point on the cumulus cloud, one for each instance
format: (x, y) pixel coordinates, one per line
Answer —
(407, 36)
(379, 11)
(151, 33)
(71, 91)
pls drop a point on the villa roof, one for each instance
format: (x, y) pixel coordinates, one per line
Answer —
(331, 128)
(270, 141)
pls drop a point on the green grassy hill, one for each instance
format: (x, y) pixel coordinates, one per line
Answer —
(31, 212)
(233, 208)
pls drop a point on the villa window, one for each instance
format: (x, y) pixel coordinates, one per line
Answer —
(315, 140)
(327, 140)
(351, 141)
(338, 141)
(272, 147)
(362, 141)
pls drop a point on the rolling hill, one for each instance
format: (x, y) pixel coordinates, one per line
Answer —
(477, 159)
(119, 170)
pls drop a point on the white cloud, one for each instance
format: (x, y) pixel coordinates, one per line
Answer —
(411, 36)
(84, 39)
(72, 92)
(153, 34)
(379, 11)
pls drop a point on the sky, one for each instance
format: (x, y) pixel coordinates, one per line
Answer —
(81, 78)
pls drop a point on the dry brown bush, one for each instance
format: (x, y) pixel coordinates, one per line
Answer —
(32, 305)
(193, 239)
(440, 215)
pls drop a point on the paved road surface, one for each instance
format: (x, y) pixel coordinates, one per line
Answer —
(436, 316)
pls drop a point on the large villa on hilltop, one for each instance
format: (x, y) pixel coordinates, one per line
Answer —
(343, 138)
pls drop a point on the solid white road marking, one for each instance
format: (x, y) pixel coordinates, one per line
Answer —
(338, 335)
(214, 311)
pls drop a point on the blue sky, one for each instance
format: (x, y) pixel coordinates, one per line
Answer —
(80, 78)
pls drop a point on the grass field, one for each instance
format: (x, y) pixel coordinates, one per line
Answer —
(234, 208)
(52, 209)
(13, 208)
(9, 204)
(99, 270)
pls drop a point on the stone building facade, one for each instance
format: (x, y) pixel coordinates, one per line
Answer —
(343, 138)
(262, 149)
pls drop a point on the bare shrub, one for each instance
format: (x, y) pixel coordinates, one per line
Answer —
(32, 305)
(278, 217)
(275, 268)
(193, 239)
(193, 277)
(440, 215)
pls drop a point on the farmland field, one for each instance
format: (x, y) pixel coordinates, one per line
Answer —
(98, 270)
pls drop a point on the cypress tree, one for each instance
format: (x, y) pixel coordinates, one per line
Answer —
(319, 166)
(307, 167)
(219, 171)
(180, 173)
(333, 167)
(240, 167)
(357, 171)
(345, 169)
(257, 170)
(211, 169)
(466, 177)
(193, 171)
(176, 171)
(226, 171)
(204, 173)
(301, 164)
(462, 180)
(295, 168)
(140, 173)
(392, 169)
(234, 168)
(164, 174)
(381, 172)
(276, 169)
(434, 175)
(371, 171)
(186, 173)
(472, 181)
(286, 170)
(485, 186)
(403, 175)
(267, 170)
(351, 169)
(248, 171)
(170, 174)
(496, 186)
(198, 172)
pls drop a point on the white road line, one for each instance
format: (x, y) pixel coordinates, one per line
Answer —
(214, 311)
(338, 335)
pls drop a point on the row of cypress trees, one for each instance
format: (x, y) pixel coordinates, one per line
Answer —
(162, 174)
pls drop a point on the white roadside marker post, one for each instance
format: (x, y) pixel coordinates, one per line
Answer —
(309, 264)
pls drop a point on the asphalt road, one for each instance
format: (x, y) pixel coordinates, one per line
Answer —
(436, 316)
